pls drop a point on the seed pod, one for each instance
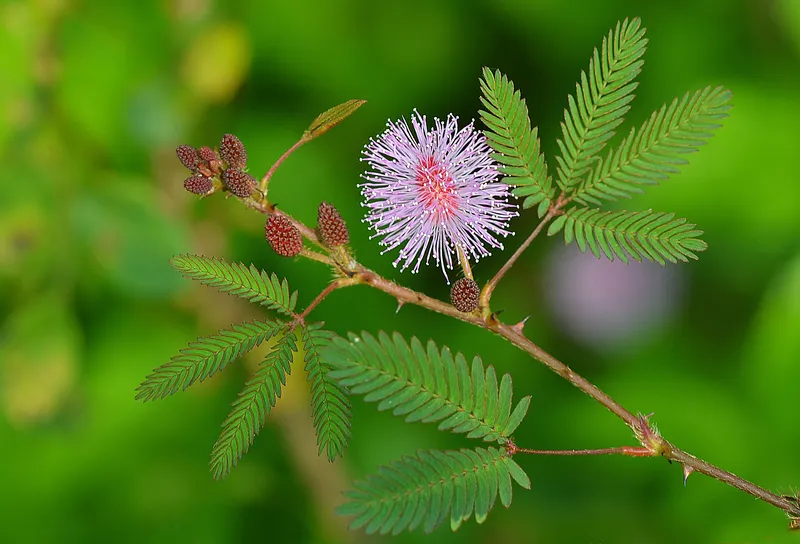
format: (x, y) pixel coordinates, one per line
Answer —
(198, 184)
(464, 295)
(331, 226)
(188, 156)
(239, 183)
(283, 236)
(233, 152)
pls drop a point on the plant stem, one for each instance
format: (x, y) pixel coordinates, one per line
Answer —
(488, 289)
(653, 443)
(786, 504)
(631, 451)
(268, 175)
(333, 286)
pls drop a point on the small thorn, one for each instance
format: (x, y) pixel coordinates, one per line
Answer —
(687, 470)
(519, 326)
(399, 305)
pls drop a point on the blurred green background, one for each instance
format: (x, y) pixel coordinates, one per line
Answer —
(94, 98)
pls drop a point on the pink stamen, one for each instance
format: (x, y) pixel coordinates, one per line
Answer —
(437, 189)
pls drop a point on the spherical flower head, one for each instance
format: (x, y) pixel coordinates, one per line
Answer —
(430, 191)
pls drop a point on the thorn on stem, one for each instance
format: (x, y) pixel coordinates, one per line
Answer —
(687, 470)
(399, 305)
(519, 326)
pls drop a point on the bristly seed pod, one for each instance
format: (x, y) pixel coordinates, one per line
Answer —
(206, 153)
(283, 236)
(464, 295)
(188, 156)
(239, 183)
(233, 152)
(198, 184)
(331, 226)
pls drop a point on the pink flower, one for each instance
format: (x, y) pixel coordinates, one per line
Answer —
(431, 191)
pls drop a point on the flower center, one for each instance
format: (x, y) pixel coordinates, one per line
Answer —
(437, 191)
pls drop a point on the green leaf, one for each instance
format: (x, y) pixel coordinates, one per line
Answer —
(330, 406)
(428, 385)
(254, 404)
(654, 152)
(205, 357)
(654, 236)
(600, 101)
(237, 279)
(516, 145)
(431, 487)
(332, 117)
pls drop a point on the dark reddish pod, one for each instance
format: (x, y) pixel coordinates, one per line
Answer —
(239, 183)
(283, 236)
(464, 295)
(332, 227)
(206, 153)
(233, 152)
(198, 184)
(188, 156)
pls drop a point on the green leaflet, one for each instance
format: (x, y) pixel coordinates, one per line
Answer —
(654, 152)
(332, 117)
(516, 146)
(654, 236)
(330, 406)
(205, 357)
(430, 487)
(427, 384)
(254, 404)
(237, 279)
(600, 102)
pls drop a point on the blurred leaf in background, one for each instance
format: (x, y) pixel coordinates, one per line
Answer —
(94, 98)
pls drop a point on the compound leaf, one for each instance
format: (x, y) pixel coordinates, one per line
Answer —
(205, 357)
(426, 384)
(654, 236)
(600, 102)
(657, 149)
(254, 404)
(516, 145)
(431, 487)
(330, 406)
(237, 279)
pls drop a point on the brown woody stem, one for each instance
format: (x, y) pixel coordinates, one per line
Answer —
(653, 444)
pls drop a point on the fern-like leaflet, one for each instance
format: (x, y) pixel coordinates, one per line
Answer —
(254, 404)
(205, 357)
(427, 385)
(516, 145)
(601, 99)
(432, 486)
(654, 236)
(654, 152)
(237, 279)
(330, 406)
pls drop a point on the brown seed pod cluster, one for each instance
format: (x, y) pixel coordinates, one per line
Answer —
(217, 169)
(464, 295)
(283, 236)
(331, 226)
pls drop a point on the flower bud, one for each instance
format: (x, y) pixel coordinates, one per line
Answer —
(332, 227)
(239, 183)
(283, 236)
(464, 295)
